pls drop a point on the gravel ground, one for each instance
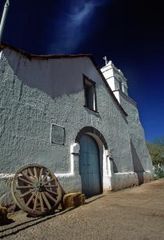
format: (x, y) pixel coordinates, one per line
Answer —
(131, 214)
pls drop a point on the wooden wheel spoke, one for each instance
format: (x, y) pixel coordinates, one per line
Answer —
(30, 172)
(51, 186)
(40, 174)
(46, 201)
(26, 193)
(24, 187)
(35, 201)
(49, 181)
(49, 191)
(50, 196)
(27, 177)
(35, 173)
(24, 180)
(30, 199)
(41, 202)
(46, 178)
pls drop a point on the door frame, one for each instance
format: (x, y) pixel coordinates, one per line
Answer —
(105, 155)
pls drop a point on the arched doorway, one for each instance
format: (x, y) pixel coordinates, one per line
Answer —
(89, 166)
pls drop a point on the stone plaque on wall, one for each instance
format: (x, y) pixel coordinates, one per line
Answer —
(57, 134)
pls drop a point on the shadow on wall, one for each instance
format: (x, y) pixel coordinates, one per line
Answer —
(115, 169)
(138, 168)
(51, 75)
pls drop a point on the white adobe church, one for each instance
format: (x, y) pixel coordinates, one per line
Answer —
(63, 112)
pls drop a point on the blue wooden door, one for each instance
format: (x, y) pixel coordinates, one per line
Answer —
(89, 166)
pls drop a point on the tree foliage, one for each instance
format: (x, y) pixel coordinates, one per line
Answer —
(157, 153)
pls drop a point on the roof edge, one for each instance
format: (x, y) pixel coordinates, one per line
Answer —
(41, 56)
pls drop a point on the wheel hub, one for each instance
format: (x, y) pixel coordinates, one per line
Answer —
(39, 187)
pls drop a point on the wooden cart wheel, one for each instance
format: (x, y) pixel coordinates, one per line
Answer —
(36, 190)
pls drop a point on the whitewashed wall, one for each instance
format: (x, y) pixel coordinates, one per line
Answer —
(36, 93)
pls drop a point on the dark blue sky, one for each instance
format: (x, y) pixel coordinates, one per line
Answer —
(129, 32)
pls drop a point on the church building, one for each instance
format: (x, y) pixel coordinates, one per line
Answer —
(62, 112)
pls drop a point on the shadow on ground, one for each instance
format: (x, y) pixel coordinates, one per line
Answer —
(8, 231)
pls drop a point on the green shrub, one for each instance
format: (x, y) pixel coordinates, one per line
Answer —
(158, 172)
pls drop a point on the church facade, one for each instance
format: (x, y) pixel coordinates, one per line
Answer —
(61, 111)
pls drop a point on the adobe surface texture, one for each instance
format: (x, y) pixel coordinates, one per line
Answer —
(135, 213)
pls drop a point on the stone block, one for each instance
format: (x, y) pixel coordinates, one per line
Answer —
(73, 200)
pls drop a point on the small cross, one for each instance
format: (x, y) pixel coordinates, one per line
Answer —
(105, 59)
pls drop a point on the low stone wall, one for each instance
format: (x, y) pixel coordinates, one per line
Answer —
(129, 179)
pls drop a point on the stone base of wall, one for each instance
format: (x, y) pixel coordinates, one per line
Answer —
(129, 179)
(117, 181)
(148, 176)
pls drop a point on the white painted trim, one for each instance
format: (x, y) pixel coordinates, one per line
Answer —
(130, 172)
(124, 173)
(6, 175)
(1, 54)
(107, 170)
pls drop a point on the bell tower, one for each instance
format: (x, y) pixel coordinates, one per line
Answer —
(115, 78)
(140, 155)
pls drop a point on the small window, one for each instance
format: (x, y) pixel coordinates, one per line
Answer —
(90, 94)
(120, 86)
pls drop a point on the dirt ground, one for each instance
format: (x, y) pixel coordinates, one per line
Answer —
(131, 214)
